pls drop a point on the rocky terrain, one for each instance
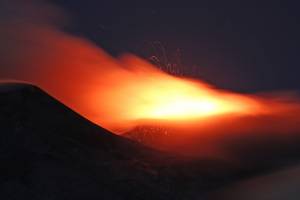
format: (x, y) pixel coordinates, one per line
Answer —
(48, 152)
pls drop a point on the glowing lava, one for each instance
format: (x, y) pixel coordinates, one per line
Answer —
(116, 93)
(182, 99)
(139, 91)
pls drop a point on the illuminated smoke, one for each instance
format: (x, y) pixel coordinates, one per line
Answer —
(119, 93)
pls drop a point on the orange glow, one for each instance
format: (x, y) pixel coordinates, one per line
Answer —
(118, 93)
(153, 94)
(127, 94)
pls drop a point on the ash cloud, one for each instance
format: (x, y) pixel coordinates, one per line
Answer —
(35, 49)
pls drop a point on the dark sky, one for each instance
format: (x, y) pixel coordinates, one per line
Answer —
(239, 45)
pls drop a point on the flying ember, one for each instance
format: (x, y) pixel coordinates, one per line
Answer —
(116, 93)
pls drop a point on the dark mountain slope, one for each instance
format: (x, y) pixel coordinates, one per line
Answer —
(256, 150)
(48, 151)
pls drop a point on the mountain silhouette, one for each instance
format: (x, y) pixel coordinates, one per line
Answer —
(49, 151)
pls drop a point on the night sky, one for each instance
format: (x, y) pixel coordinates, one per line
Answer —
(245, 46)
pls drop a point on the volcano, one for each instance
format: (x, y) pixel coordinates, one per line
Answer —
(50, 152)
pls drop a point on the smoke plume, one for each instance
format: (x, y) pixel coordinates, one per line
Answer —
(121, 93)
